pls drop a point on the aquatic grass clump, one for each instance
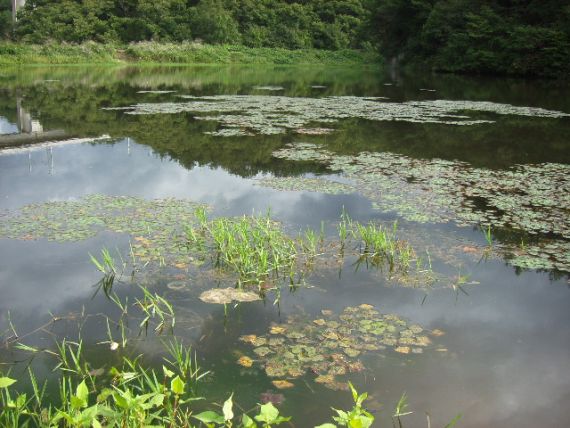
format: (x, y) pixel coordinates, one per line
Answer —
(253, 247)
(177, 234)
(377, 244)
(380, 244)
(157, 307)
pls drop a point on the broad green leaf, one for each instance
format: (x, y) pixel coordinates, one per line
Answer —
(167, 373)
(120, 401)
(267, 413)
(90, 414)
(82, 392)
(361, 399)
(354, 392)
(21, 400)
(247, 422)
(327, 425)
(77, 403)
(5, 382)
(157, 400)
(227, 409)
(177, 385)
(104, 394)
(209, 417)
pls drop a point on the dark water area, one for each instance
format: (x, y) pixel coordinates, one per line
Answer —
(503, 360)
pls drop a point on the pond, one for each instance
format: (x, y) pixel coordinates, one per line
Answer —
(407, 233)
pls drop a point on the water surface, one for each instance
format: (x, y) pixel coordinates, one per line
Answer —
(503, 360)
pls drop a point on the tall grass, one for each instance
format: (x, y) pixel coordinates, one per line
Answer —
(377, 244)
(252, 247)
(132, 396)
(173, 53)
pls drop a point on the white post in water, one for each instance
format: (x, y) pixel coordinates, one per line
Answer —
(16, 6)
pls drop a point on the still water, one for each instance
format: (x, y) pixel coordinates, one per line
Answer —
(503, 358)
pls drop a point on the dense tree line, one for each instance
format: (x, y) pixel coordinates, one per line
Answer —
(327, 24)
(527, 37)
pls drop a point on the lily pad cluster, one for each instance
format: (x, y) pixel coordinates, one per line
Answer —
(156, 225)
(330, 346)
(543, 255)
(534, 199)
(267, 115)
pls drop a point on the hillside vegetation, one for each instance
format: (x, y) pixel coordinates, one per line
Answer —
(517, 37)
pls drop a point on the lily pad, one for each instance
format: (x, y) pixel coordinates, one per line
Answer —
(245, 361)
(262, 351)
(282, 384)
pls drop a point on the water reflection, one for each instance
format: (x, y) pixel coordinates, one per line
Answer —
(507, 339)
(27, 129)
(7, 127)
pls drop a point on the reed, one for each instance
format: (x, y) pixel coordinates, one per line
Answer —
(252, 247)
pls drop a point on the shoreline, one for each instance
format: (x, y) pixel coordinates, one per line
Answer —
(170, 54)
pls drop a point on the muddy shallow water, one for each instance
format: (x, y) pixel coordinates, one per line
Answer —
(503, 357)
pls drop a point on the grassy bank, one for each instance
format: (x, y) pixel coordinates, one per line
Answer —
(171, 53)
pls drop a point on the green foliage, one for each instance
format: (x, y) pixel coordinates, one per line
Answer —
(357, 416)
(139, 397)
(527, 37)
(170, 53)
(253, 247)
(5, 18)
(270, 23)
(521, 38)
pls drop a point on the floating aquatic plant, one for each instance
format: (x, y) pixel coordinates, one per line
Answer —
(249, 250)
(305, 184)
(329, 347)
(263, 114)
(155, 225)
(533, 199)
